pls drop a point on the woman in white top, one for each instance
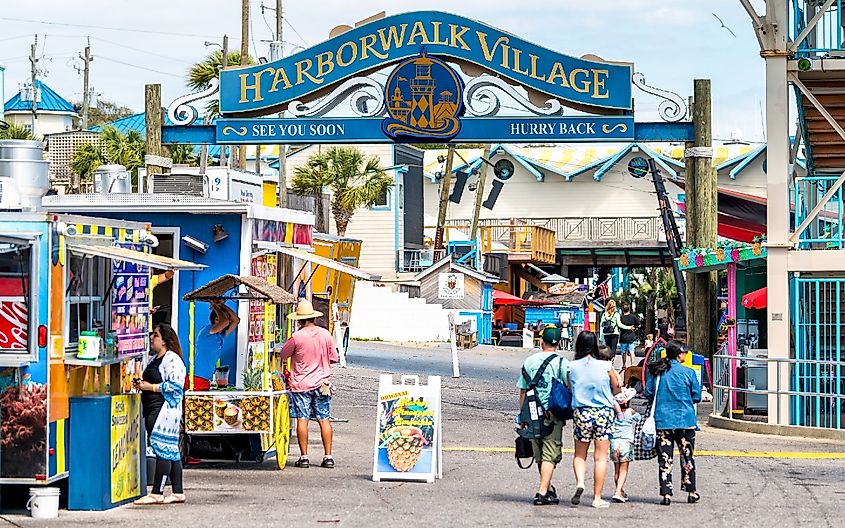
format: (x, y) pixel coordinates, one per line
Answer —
(593, 383)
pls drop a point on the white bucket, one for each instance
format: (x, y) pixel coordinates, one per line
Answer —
(43, 503)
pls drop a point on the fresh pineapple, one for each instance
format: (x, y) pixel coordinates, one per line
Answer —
(252, 379)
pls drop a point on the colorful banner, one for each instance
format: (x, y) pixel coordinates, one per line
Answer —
(125, 448)
(130, 297)
(265, 267)
(408, 442)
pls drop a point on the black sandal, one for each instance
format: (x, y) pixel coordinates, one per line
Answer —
(666, 501)
(693, 497)
(576, 498)
(328, 462)
(302, 463)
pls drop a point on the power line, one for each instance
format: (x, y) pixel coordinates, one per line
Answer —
(109, 28)
(297, 32)
(140, 67)
(139, 50)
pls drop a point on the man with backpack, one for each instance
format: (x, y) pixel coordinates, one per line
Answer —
(541, 426)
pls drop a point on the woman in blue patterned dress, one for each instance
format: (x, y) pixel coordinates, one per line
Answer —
(162, 390)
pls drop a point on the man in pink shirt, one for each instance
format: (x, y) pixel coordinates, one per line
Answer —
(312, 351)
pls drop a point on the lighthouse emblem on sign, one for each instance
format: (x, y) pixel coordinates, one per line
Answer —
(424, 100)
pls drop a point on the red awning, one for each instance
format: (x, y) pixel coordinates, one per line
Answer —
(756, 299)
(501, 298)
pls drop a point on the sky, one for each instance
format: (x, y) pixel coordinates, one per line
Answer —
(671, 42)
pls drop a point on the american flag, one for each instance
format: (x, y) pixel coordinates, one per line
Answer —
(603, 290)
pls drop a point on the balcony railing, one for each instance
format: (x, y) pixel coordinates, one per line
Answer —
(826, 36)
(573, 232)
(825, 230)
(417, 260)
(536, 243)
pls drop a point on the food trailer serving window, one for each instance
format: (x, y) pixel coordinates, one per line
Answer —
(87, 280)
(18, 306)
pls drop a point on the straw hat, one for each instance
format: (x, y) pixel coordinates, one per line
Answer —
(304, 310)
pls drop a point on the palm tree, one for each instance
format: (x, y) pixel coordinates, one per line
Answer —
(15, 131)
(652, 286)
(183, 155)
(85, 160)
(354, 182)
(201, 73)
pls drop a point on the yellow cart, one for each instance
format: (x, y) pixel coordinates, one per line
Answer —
(227, 412)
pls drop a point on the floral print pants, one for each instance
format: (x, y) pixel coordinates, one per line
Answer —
(666, 440)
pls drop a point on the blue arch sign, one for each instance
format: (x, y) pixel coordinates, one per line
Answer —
(265, 88)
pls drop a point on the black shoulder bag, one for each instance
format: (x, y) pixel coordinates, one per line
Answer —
(532, 415)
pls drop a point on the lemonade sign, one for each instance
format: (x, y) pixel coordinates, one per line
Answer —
(408, 443)
(125, 451)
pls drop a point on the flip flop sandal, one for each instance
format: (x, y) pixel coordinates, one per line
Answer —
(576, 498)
(618, 499)
(150, 499)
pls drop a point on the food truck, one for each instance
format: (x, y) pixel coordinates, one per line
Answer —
(74, 327)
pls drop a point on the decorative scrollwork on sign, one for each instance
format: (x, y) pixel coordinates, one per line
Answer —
(607, 129)
(479, 90)
(182, 113)
(366, 97)
(240, 131)
(673, 108)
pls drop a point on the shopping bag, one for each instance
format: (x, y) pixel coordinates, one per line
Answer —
(640, 453)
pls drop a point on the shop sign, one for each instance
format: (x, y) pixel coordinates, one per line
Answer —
(450, 285)
(265, 88)
(408, 443)
(13, 323)
(125, 451)
(473, 130)
(130, 297)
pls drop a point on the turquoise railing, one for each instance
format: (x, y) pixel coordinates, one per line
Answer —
(817, 369)
(826, 37)
(825, 231)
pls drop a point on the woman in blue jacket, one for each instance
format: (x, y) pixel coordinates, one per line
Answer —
(674, 417)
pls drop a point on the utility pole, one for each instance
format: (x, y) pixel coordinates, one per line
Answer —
(86, 94)
(33, 72)
(153, 119)
(479, 193)
(224, 63)
(244, 57)
(277, 51)
(702, 221)
(444, 198)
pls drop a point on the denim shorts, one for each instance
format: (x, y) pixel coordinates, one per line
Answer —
(310, 404)
(626, 348)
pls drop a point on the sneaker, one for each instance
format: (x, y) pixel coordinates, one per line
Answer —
(328, 462)
(302, 463)
(599, 503)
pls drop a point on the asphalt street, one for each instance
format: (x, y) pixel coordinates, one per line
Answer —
(744, 479)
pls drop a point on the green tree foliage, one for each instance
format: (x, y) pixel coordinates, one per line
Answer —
(123, 149)
(15, 131)
(354, 182)
(653, 286)
(201, 74)
(104, 113)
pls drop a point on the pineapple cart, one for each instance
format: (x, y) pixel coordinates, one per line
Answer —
(261, 407)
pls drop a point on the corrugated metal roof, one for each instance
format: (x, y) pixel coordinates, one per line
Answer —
(50, 102)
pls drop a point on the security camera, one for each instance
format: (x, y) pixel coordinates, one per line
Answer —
(68, 230)
(195, 244)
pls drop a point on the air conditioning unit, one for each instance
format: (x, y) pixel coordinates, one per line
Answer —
(180, 183)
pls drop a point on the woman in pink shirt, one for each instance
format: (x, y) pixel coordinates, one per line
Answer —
(312, 352)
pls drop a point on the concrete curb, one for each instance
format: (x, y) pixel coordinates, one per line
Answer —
(780, 430)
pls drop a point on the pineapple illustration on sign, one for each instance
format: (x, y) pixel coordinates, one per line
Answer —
(406, 427)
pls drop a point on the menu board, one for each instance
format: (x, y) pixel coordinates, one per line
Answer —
(130, 297)
(228, 413)
(408, 436)
(264, 267)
